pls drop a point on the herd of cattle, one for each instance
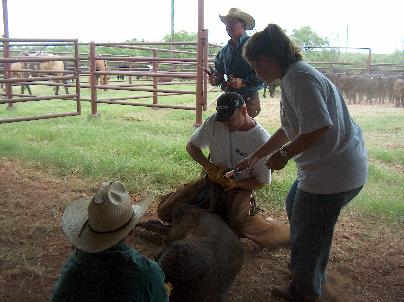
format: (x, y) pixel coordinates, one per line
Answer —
(370, 88)
(366, 88)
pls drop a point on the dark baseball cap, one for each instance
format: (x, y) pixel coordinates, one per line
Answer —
(226, 104)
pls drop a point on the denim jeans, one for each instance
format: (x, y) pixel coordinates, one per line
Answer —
(312, 219)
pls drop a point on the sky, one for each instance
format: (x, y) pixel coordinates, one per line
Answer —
(346, 23)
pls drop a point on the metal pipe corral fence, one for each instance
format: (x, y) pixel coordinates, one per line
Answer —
(24, 76)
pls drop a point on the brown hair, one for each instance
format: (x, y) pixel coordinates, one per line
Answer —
(272, 42)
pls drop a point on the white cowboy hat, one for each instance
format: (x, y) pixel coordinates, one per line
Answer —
(96, 224)
(237, 13)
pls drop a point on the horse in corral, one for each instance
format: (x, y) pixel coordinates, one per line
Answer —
(50, 68)
(101, 65)
(18, 70)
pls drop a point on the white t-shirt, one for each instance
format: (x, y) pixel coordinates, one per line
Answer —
(228, 148)
(338, 161)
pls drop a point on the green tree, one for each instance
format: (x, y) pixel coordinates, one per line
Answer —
(181, 36)
(306, 38)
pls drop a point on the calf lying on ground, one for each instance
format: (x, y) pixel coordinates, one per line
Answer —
(202, 255)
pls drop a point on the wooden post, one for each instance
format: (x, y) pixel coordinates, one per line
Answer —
(6, 54)
(199, 63)
(93, 81)
(155, 69)
(130, 69)
(77, 74)
(205, 65)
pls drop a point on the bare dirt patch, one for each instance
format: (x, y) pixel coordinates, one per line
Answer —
(367, 261)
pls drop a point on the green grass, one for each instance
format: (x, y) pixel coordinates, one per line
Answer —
(383, 194)
(145, 148)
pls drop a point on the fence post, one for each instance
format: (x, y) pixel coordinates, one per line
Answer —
(77, 74)
(7, 73)
(199, 62)
(205, 65)
(6, 54)
(130, 69)
(155, 69)
(93, 81)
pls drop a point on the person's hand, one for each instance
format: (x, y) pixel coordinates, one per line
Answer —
(247, 163)
(227, 183)
(215, 173)
(276, 161)
(235, 83)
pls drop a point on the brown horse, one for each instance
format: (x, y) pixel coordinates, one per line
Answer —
(101, 65)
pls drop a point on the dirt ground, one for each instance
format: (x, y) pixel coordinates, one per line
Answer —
(367, 261)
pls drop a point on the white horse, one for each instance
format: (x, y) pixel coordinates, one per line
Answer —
(53, 68)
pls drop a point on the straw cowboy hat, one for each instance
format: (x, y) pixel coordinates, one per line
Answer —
(96, 224)
(237, 13)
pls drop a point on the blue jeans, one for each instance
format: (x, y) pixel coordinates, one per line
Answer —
(312, 219)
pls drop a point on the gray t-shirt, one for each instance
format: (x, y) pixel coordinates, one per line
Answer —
(228, 148)
(338, 161)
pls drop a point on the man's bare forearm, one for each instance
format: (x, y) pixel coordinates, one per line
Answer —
(198, 156)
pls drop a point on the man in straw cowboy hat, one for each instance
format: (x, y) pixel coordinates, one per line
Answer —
(104, 266)
(232, 72)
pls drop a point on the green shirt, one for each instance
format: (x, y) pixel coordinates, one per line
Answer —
(117, 274)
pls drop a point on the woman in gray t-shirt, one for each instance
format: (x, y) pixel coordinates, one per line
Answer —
(318, 132)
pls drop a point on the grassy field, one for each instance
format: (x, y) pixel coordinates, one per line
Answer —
(145, 148)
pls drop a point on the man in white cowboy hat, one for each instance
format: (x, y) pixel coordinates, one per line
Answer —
(104, 266)
(232, 72)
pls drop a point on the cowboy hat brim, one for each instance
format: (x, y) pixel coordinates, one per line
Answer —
(77, 230)
(246, 18)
